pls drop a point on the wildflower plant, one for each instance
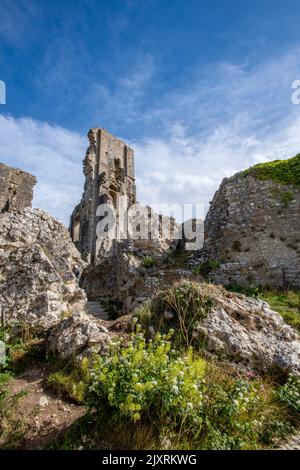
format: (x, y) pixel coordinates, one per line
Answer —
(148, 378)
(289, 393)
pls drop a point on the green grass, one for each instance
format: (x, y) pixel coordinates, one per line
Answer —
(287, 304)
(206, 268)
(281, 171)
(70, 380)
(287, 198)
(12, 426)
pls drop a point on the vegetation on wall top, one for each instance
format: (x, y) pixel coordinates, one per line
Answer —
(280, 171)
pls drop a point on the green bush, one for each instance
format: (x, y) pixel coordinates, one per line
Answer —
(249, 291)
(19, 349)
(181, 307)
(188, 401)
(287, 197)
(240, 414)
(148, 379)
(280, 171)
(206, 268)
(148, 262)
(289, 393)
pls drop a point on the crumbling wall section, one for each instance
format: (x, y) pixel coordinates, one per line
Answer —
(253, 230)
(109, 174)
(16, 189)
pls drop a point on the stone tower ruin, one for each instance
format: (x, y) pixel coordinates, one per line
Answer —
(16, 188)
(109, 173)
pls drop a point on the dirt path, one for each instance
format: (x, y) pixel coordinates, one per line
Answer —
(44, 414)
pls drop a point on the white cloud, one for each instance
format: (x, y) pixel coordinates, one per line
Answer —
(229, 118)
(216, 127)
(190, 170)
(53, 154)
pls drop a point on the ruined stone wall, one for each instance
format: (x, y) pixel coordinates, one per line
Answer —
(16, 189)
(253, 229)
(109, 174)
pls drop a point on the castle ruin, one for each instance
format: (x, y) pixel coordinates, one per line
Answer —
(109, 174)
(16, 189)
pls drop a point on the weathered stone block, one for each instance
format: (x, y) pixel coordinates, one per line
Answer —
(16, 188)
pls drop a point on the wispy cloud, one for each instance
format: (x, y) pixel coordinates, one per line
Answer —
(16, 18)
(122, 102)
(183, 169)
(228, 118)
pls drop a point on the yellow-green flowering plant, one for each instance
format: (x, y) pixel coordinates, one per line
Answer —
(148, 378)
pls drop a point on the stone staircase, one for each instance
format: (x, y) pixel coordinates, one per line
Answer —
(97, 310)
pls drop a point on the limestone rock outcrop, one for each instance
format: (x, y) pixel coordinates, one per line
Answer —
(78, 336)
(247, 331)
(235, 328)
(253, 226)
(37, 258)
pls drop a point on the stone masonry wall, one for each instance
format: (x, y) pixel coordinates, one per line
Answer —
(16, 189)
(253, 229)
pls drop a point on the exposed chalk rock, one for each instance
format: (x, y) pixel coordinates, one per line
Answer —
(247, 331)
(37, 258)
(78, 336)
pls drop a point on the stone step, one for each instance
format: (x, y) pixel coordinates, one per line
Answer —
(97, 310)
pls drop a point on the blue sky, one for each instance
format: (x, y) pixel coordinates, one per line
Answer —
(200, 89)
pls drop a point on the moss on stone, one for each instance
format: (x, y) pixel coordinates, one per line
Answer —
(280, 171)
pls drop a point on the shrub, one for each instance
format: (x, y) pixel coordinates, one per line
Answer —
(239, 414)
(206, 267)
(289, 393)
(287, 197)
(249, 291)
(280, 171)
(148, 262)
(148, 379)
(181, 307)
(19, 349)
(191, 403)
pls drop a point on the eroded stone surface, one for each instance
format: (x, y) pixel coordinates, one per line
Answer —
(252, 228)
(109, 174)
(16, 188)
(78, 336)
(37, 258)
(247, 331)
